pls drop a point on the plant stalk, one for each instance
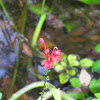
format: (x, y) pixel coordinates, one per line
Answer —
(44, 84)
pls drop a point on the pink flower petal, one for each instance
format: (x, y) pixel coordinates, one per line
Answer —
(42, 41)
(44, 56)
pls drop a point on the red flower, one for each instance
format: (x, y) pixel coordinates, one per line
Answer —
(50, 59)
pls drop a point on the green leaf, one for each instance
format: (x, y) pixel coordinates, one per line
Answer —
(77, 96)
(0, 95)
(38, 9)
(75, 82)
(96, 66)
(73, 63)
(86, 62)
(59, 67)
(72, 57)
(72, 72)
(88, 99)
(63, 78)
(97, 48)
(72, 60)
(64, 57)
(91, 2)
(97, 95)
(68, 27)
(95, 86)
(63, 63)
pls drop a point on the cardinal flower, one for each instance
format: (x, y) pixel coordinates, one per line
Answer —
(50, 58)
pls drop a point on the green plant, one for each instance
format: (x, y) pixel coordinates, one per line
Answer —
(68, 66)
(91, 2)
(54, 91)
(0, 95)
(97, 48)
(97, 95)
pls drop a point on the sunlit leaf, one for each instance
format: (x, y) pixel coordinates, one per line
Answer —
(97, 95)
(0, 95)
(91, 2)
(97, 48)
(59, 67)
(71, 57)
(75, 82)
(96, 66)
(95, 86)
(63, 63)
(73, 63)
(63, 78)
(72, 60)
(77, 96)
(84, 77)
(86, 62)
(72, 72)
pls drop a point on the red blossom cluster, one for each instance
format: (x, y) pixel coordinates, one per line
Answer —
(50, 58)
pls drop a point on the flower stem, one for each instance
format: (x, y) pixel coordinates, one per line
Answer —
(37, 30)
(44, 84)
(6, 13)
(43, 4)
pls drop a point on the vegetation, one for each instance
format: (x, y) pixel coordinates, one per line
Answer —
(70, 69)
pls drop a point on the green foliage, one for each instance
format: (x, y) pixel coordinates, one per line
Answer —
(64, 57)
(97, 95)
(69, 27)
(0, 95)
(63, 63)
(95, 86)
(68, 62)
(86, 62)
(88, 99)
(75, 82)
(38, 9)
(71, 72)
(72, 57)
(63, 78)
(97, 48)
(91, 2)
(96, 66)
(77, 96)
(59, 67)
(73, 60)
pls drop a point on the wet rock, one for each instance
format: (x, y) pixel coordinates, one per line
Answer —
(53, 21)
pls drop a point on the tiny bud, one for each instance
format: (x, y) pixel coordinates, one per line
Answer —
(41, 40)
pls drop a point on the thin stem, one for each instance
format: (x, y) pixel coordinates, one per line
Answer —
(19, 52)
(44, 84)
(37, 30)
(43, 4)
(24, 18)
(16, 69)
(36, 85)
(4, 9)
